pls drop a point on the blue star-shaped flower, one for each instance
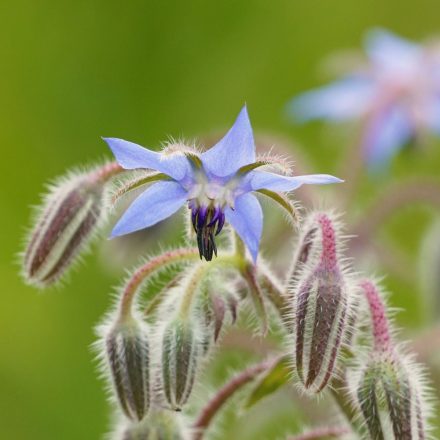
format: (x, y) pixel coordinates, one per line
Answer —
(217, 185)
(397, 94)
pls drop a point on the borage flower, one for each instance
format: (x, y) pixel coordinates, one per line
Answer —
(397, 94)
(217, 185)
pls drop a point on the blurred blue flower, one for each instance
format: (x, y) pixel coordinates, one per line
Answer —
(397, 95)
(216, 184)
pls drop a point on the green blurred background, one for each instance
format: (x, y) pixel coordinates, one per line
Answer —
(71, 72)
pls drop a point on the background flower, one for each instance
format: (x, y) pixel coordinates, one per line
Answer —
(396, 94)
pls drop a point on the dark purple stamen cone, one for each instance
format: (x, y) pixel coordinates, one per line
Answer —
(207, 223)
(63, 229)
(320, 314)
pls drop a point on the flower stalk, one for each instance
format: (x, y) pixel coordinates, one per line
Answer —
(321, 433)
(225, 393)
(146, 270)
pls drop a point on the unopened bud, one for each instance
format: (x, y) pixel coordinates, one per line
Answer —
(380, 325)
(67, 220)
(390, 399)
(158, 425)
(128, 358)
(388, 387)
(321, 306)
(180, 358)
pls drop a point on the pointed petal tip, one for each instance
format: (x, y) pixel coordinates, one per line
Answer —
(234, 150)
(244, 114)
(328, 178)
(113, 234)
(108, 139)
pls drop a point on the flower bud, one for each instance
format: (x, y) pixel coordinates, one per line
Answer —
(180, 358)
(390, 399)
(159, 425)
(321, 307)
(389, 388)
(64, 226)
(128, 358)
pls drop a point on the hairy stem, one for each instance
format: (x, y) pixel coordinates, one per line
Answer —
(339, 391)
(277, 296)
(330, 431)
(191, 287)
(152, 305)
(153, 265)
(223, 394)
(250, 276)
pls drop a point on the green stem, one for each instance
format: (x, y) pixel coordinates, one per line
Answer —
(200, 271)
(324, 432)
(342, 399)
(146, 270)
(152, 305)
(249, 274)
(225, 393)
(239, 247)
(191, 288)
(277, 296)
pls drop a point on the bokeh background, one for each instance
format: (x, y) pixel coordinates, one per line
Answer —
(71, 72)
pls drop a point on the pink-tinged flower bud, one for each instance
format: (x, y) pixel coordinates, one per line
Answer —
(181, 351)
(158, 425)
(69, 217)
(390, 396)
(320, 311)
(389, 389)
(380, 325)
(128, 360)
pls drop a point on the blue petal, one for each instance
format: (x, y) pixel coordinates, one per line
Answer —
(276, 182)
(247, 219)
(156, 203)
(386, 133)
(345, 99)
(389, 51)
(131, 156)
(236, 149)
